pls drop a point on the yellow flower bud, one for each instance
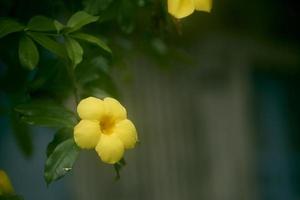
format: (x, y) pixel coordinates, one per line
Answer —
(5, 184)
(104, 126)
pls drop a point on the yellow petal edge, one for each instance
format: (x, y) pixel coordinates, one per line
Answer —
(6, 187)
(126, 132)
(183, 8)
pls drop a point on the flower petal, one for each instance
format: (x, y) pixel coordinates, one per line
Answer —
(110, 149)
(87, 134)
(114, 109)
(126, 132)
(91, 108)
(181, 8)
(203, 5)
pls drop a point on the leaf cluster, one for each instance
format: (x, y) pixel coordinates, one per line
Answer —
(59, 39)
(61, 44)
(47, 64)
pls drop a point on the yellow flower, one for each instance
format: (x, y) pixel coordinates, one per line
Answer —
(5, 184)
(105, 127)
(183, 8)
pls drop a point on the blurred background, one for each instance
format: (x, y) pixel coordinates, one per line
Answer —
(217, 120)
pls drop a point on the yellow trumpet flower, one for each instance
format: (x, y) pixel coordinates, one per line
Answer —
(183, 8)
(5, 184)
(104, 126)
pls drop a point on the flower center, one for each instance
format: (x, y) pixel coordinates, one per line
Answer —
(107, 125)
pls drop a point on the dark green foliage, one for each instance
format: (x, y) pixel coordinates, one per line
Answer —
(22, 135)
(46, 113)
(41, 23)
(94, 78)
(96, 6)
(8, 26)
(11, 197)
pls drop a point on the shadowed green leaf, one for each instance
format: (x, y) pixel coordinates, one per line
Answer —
(74, 50)
(51, 79)
(92, 39)
(50, 44)
(61, 161)
(8, 26)
(28, 53)
(80, 19)
(95, 6)
(60, 136)
(22, 135)
(45, 113)
(94, 76)
(41, 23)
(11, 197)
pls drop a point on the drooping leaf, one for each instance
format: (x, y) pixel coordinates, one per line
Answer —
(22, 135)
(74, 50)
(45, 113)
(50, 44)
(79, 19)
(8, 26)
(41, 23)
(28, 53)
(92, 39)
(61, 161)
(60, 136)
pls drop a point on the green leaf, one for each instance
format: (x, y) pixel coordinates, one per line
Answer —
(41, 23)
(74, 50)
(8, 26)
(28, 53)
(80, 19)
(61, 161)
(60, 136)
(45, 113)
(92, 39)
(50, 44)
